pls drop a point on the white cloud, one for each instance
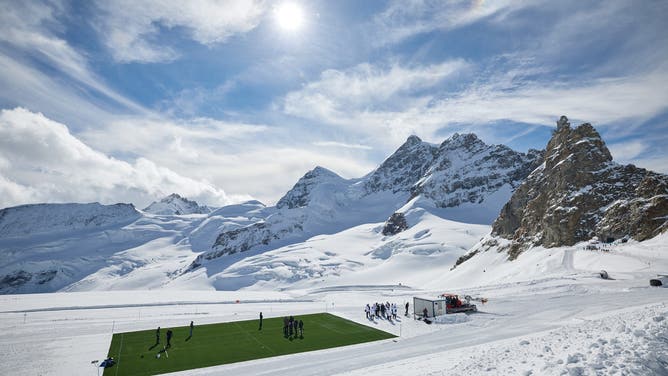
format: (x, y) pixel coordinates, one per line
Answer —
(370, 98)
(405, 18)
(45, 163)
(246, 159)
(31, 28)
(344, 145)
(376, 102)
(627, 151)
(131, 28)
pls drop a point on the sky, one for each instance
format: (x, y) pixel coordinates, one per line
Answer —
(226, 101)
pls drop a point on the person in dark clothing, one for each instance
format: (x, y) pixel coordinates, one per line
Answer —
(169, 338)
(295, 324)
(301, 328)
(425, 313)
(285, 327)
(382, 310)
(406, 309)
(192, 326)
(290, 321)
(260, 321)
(157, 336)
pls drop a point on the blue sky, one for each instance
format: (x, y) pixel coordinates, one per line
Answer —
(128, 101)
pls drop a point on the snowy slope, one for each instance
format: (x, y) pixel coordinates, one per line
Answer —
(359, 255)
(569, 323)
(30, 220)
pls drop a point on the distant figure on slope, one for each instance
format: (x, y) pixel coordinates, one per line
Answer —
(406, 309)
(301, 329)
(169, 338)
(382, 310)
(290, 321)
(285, 327)
(367, 311)
(295, 324)
(157, 336)
(192, 326)
(260, 321)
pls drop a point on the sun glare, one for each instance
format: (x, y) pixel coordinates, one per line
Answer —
(289, 16)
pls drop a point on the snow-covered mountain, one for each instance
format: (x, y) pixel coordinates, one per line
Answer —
(31, 220)
(325, 228)
(46, 247)
(174, 204)
(465, 177)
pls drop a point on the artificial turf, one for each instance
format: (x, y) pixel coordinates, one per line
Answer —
(229, 342)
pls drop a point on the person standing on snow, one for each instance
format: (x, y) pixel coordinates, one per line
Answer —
(406, 309)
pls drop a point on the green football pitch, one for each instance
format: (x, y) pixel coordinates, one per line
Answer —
(229, 342)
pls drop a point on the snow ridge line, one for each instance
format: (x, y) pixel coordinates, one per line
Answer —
(139, 305)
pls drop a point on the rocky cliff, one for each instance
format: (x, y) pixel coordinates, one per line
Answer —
(579, 193)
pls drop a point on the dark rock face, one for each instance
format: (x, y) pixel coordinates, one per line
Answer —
(579, 193)
(402, 169)
(395, 224)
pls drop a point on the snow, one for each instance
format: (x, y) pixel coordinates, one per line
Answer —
(114, 269)
(39, 219)
(176, 205)
(548, 312)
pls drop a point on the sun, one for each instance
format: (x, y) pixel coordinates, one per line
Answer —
(289, 16)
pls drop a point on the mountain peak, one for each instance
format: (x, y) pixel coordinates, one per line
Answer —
(570, 147)
(403, 168)
(580, 193)
(413, 140)
(172, 197)
(320, 171)
(468, 141)
(175, 204)
(300, 194)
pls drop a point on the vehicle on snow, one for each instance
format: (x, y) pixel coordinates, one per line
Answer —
(661, 280)
(454, 304)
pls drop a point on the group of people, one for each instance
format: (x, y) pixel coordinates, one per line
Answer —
(380, 310)
(169, 334)
(292, 326)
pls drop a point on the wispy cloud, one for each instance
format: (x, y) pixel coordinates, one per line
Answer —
(131, 28)
(43, 162)
(31, 29)
(342, 145)
(406, 18)
(369, 98)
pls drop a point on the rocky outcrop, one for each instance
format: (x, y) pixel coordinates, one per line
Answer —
(395, 224)
(579, 193)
